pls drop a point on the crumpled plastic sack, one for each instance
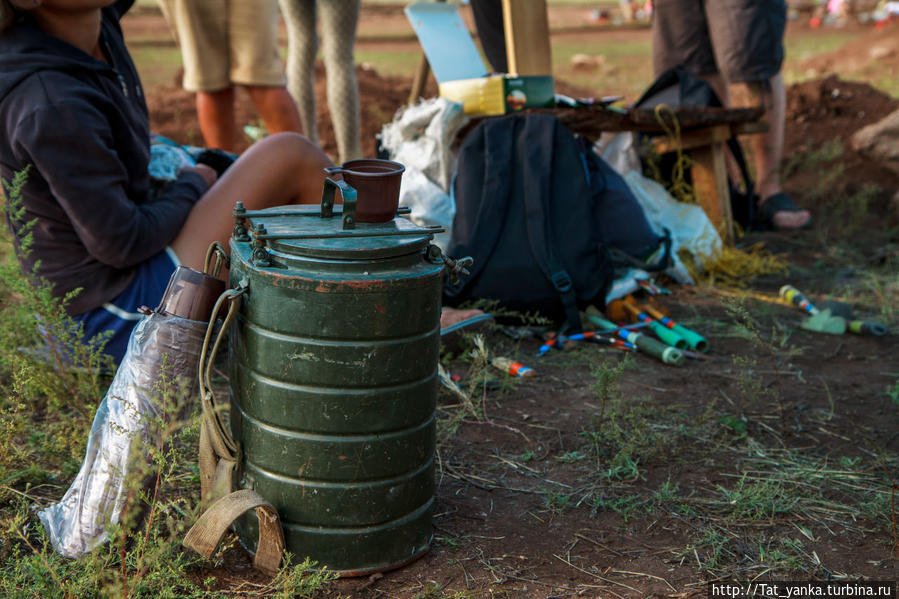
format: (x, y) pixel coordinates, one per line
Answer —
(619, 150)
(689, 225)
(421, 138)
(162, 349)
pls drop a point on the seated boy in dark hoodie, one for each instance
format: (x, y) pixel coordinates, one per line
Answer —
(72, 111)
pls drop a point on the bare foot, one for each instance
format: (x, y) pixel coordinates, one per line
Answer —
(786, 215)
(451, 316)
(791, 220)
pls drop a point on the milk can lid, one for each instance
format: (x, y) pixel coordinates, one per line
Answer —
(301, 231)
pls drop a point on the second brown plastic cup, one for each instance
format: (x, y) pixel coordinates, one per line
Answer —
(191, 294)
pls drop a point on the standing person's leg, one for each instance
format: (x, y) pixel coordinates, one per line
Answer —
(339, 21)
(680, 37)
(200, 27)
(747, 36)
(215, 112)
(256, 62)
(276, 108)
(767, 149)
(302, 47)
(281, 169)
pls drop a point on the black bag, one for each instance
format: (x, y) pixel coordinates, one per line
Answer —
(676, 88)
(530, 202)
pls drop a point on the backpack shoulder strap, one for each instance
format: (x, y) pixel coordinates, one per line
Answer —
(540, 132)
(489, 148)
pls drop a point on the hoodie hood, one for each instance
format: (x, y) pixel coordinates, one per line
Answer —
(81, 126)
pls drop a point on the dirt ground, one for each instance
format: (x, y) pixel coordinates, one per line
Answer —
(555, 488)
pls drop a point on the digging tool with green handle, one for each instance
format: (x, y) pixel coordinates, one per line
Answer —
(859, 327)
(820, 321)
(667, 336)
(693, 339)
(644, 343)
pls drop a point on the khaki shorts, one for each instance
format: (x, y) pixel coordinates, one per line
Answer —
(226, 42)
(741, 39)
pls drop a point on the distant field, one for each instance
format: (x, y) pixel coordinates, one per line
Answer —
(386, 42)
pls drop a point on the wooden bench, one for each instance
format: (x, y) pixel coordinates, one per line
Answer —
(703, 133)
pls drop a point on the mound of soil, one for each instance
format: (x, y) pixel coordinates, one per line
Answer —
(876, 52)
(173, 113)
(824, 113)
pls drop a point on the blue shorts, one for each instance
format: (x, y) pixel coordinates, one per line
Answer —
(120, 315)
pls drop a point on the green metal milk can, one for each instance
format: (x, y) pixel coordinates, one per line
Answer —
(333, 379)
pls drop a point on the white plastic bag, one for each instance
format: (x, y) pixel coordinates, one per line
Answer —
(161, 347)
(689, 225)
(421, 137)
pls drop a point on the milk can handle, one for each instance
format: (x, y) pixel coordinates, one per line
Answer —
(220, 438)
(349, 201)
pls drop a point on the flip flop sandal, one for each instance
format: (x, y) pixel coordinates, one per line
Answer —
(779, 202)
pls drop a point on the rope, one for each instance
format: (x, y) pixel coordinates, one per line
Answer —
(222, 441)
(678, 187)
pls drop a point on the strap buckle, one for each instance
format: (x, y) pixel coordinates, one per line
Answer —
(561, 281)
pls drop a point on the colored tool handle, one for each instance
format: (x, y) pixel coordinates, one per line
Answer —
(668, 336)
(656, 349)
(693, 339)
(513, 368)
(795, 297)
(861, 327)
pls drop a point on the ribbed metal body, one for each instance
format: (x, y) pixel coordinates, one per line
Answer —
(333, 373)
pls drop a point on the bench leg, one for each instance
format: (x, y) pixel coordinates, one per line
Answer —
(709, 174)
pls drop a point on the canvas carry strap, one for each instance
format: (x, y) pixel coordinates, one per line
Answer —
(537, 191)
(207, 533)
(217, 459)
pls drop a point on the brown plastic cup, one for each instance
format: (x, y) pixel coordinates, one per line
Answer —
(191, 294)
(377, 185)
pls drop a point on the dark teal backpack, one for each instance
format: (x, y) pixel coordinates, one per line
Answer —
(542, 216)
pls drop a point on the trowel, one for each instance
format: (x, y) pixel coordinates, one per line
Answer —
(820, 321)
(837, 311)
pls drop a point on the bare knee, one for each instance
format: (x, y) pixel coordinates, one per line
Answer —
(297, 163)
(749, 95)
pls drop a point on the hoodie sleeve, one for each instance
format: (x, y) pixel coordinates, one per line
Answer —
(71, 146)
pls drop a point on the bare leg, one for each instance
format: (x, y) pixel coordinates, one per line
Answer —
(215, 111)
(285, 168)
(767, 149)
(451, 316)
(276, 107)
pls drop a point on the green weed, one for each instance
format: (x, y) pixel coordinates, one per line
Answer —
(758, 500)
(893, 392)
(627, 506)
(667, 492)
(556, 501)
(571, 457)
(51, 383)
